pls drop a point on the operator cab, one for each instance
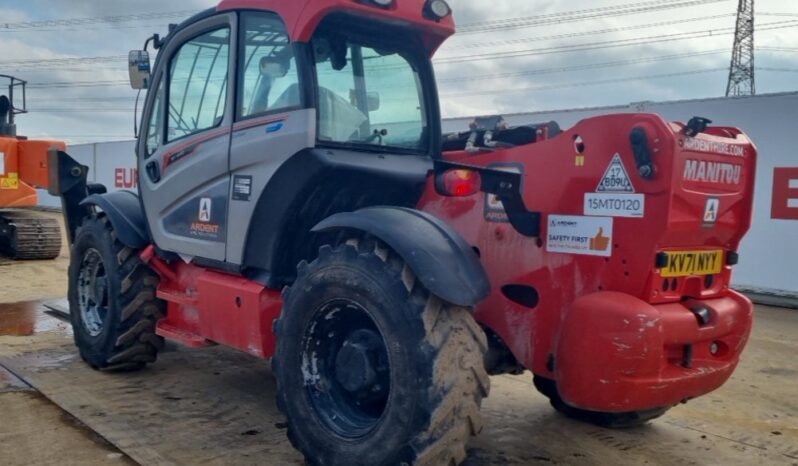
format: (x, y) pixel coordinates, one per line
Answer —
(264, 117)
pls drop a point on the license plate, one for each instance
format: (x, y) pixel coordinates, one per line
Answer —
(686, 263)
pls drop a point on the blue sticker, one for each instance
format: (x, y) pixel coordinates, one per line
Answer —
(275, 127)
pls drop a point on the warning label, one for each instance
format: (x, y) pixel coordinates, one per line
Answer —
(12, 182)
(616, 179)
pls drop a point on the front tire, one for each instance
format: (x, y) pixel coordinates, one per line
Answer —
(371, 368)
(112, 301)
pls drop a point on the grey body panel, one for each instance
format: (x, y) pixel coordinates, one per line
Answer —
(258, 149)
(197, 175)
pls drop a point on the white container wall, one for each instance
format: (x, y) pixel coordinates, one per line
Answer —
(769, 253)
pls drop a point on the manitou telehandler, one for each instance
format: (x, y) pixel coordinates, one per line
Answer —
(23, 167)
(295, 203)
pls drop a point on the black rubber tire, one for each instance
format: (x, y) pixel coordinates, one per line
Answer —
(127, 339)
(623, 420)
(436, 352)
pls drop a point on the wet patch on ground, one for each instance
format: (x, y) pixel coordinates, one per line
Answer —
(31, 318)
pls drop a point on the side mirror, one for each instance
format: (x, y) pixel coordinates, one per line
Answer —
(373, 101)
(139, 69)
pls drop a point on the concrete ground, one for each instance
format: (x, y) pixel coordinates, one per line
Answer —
(216, 406)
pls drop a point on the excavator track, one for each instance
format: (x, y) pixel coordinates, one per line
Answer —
(28, 236)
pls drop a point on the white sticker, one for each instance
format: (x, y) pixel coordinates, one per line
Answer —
(711, 211)
(205, 210)
(569, 234)
(616, 179)
(2, 163)
(615, 205)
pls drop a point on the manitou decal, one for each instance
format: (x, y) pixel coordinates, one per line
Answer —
(713, 172)
(785, 194)
(125, 178)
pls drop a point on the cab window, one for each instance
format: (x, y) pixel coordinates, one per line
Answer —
(155, 127)
(369, 95)
(268, 78)
(198, 84)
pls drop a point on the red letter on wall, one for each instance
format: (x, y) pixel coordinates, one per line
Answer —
(785, 194)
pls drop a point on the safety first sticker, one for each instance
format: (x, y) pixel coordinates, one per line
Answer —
(615, 194)
(570, 234)
(10, 182)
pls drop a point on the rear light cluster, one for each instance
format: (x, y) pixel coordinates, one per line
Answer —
(459, 183)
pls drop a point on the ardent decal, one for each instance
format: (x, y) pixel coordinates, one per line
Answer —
(203, 217)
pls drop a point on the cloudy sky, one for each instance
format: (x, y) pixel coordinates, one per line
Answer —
(511, 55)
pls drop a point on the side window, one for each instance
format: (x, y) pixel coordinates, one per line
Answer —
(268, 78)
(155, 126)
(198, 84)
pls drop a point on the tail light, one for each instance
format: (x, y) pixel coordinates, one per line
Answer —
(459, 182)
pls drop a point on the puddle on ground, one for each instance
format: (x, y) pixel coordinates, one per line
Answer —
(31, 318)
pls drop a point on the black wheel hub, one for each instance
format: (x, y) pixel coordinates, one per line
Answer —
(346, 368)
(356, 363)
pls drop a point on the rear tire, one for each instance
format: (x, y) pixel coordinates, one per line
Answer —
(112, 301)
(371, 368)
(622, 420)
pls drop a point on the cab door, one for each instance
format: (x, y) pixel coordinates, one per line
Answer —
(183, 157)
(272, 122)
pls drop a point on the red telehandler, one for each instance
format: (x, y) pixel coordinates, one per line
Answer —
(23, 167)
(295, 203)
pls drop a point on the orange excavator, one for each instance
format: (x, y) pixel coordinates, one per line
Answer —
(23, 168)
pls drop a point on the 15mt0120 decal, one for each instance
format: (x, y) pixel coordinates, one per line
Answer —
(686, 263)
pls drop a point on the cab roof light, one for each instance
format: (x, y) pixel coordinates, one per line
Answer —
(437, 9)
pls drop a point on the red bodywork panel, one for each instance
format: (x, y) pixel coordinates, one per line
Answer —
(207, 307)
(302, 17)
(612, 334)
(604, 327)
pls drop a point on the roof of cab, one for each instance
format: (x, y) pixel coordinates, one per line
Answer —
(302, 17)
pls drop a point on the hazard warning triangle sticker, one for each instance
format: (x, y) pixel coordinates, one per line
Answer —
(616, 179)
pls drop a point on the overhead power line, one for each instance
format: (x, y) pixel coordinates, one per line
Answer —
(608, 44)
(50, 23)
(580, 15)
(591, 33)
(583, 84)
(584, 67)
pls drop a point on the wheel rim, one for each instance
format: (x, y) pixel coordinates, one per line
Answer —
(346, 368)
(93, 292)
